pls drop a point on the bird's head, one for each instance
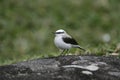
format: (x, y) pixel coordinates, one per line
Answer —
(60, 32)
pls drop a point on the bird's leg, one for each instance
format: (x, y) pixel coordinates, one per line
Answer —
(62, 52)
(67, 51)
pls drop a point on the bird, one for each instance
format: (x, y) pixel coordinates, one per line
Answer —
(64, 41)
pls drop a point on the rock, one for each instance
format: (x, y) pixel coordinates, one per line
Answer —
(64, 68)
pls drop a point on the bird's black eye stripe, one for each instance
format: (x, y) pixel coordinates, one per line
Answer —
(59, 32)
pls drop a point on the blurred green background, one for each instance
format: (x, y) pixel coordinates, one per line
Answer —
(26, 26)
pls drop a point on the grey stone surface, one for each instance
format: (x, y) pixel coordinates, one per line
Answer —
(64, 68)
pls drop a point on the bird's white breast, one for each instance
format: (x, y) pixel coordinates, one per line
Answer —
(61, 44)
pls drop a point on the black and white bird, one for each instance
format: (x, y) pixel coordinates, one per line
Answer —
(64, 42)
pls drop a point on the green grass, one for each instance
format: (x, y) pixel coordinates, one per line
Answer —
(26, 26)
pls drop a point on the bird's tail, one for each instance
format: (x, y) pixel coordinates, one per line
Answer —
(82, 48)
(77, 46)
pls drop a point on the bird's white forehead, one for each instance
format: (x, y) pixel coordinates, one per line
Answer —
(60, 30)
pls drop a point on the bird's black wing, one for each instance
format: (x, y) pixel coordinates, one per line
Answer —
(70, 40)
